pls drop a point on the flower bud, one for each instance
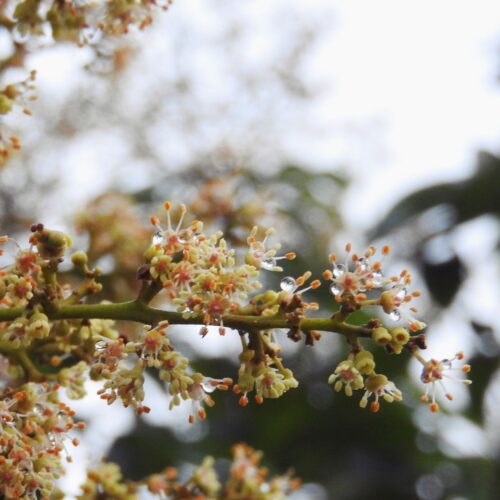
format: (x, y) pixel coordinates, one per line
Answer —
(5, 104)
(381, 336)
(52, 243)
(387, 301)
(375, 382)
(400, 335)
(364, 363)
(79, 259)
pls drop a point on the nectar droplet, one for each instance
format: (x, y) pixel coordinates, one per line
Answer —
(335, 289)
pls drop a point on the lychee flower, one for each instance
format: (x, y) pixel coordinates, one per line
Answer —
(347, 376)
(381, 387)
(152, 344)
(273, 383)
(174, 239)
(262, 256)
(366, 275)
(396, 302)
(434, 372)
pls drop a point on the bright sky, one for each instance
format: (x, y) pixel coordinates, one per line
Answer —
(407, 90)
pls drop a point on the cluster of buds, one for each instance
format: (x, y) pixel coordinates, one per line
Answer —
(287, 303)
(358, 372)
(153, 349)
(261, 370)
(34, 426)
(246, 479)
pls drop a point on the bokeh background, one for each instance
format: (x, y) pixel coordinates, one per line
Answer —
(334, 121)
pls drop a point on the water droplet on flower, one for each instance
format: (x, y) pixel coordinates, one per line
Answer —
(208, 388)
(362, 264)
(182, 241)
(268, 264)
(288, 284)
(401, 294)
(338, 270)
(335, 289)
(20, 36)
(158, 238)
(395, 315)
(90, 35)
(446, 363)
(377, 278)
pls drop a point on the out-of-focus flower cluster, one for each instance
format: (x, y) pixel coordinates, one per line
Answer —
(117, 238)
(224, 201)
(246, 479)
(14, 95)
(81, 21)
(34, 426)
(95, 23)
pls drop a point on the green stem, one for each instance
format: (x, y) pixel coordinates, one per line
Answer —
(31, 372)
(142, 313)
(148, 291)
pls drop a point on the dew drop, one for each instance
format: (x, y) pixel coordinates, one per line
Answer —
(338, 270)
(158, 238)
(447, 363)
(288, 284)
(90, 35)
(377, 278)
(268, 264)
(395, 315)
(401, 294)
(208, 388)
(362, 264)
(335, 289)
(20, 36)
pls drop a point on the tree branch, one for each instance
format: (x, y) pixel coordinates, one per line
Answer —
(140, 312)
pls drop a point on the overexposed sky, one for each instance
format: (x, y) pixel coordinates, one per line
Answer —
(405, 92)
